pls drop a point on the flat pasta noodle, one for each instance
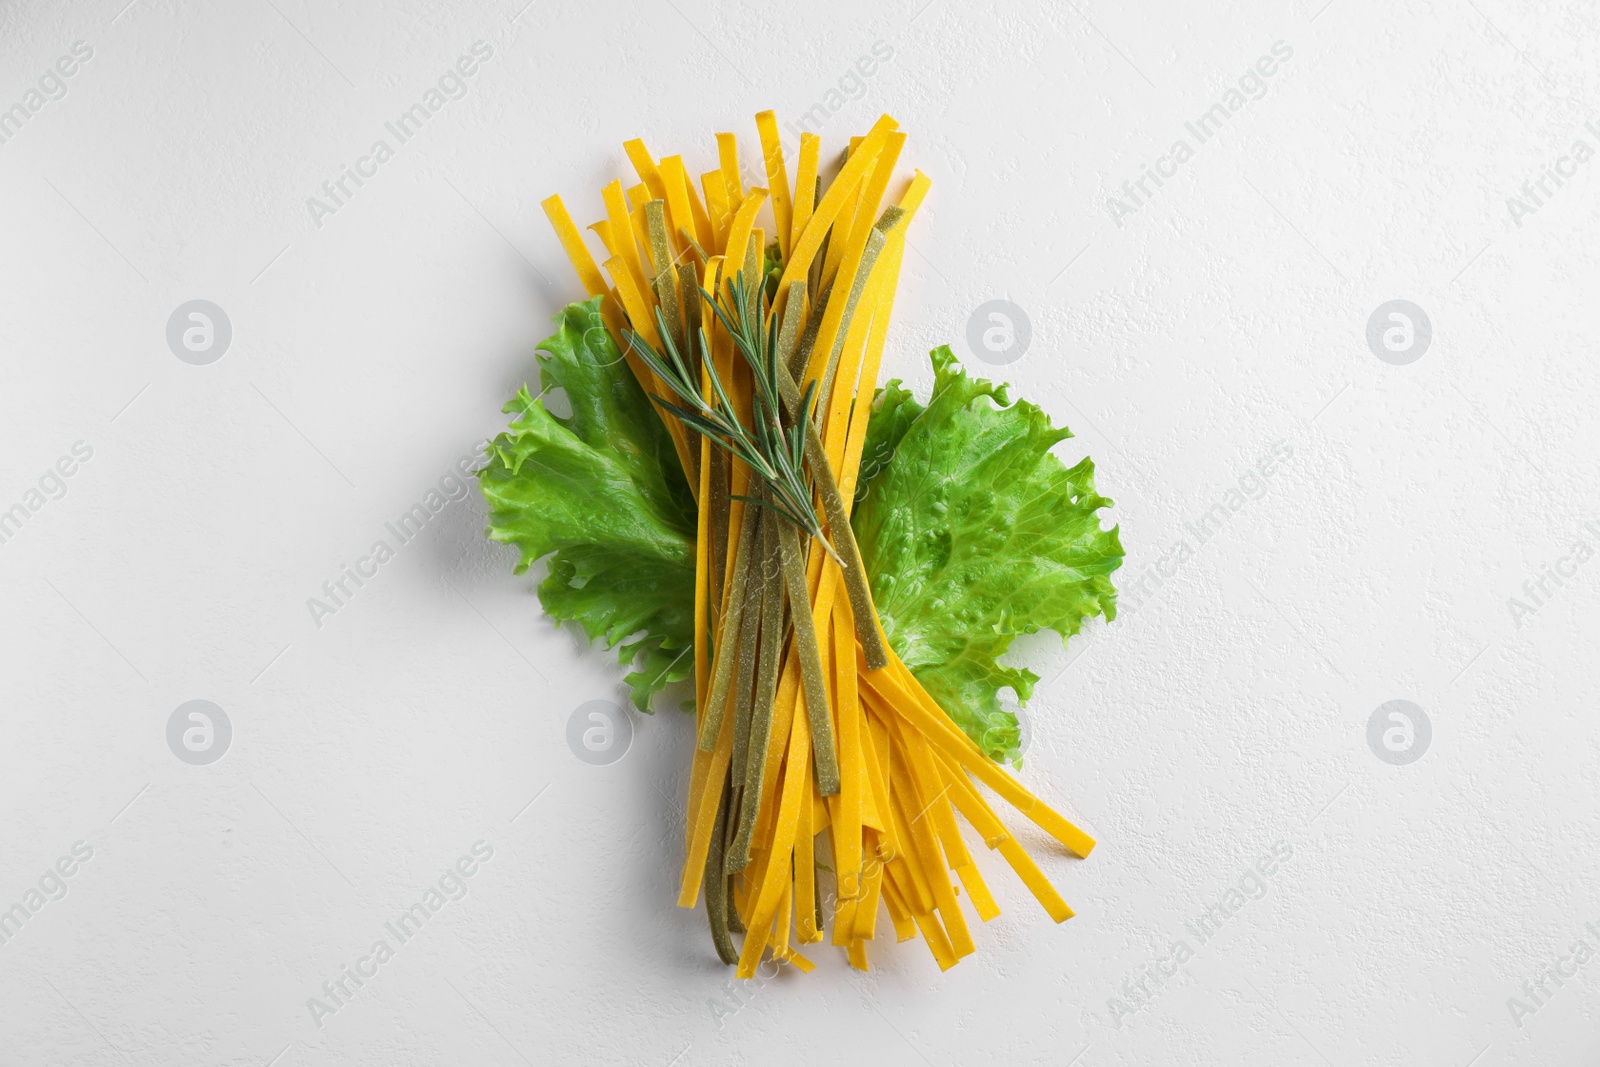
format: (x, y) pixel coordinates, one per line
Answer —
(728, 155)
(684, 210)
(805, 188)
(572, 243)
(907, 775)
(777, 177)
(643, 164)
(623, 245)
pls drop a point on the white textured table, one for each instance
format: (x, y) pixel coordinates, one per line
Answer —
(1198, 210)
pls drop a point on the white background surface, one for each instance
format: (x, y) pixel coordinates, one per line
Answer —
(1223, 714)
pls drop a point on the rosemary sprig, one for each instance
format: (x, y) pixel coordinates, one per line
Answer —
(776, 454)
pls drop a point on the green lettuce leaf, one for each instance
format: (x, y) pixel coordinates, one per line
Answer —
(603, 491)
(973, 533)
